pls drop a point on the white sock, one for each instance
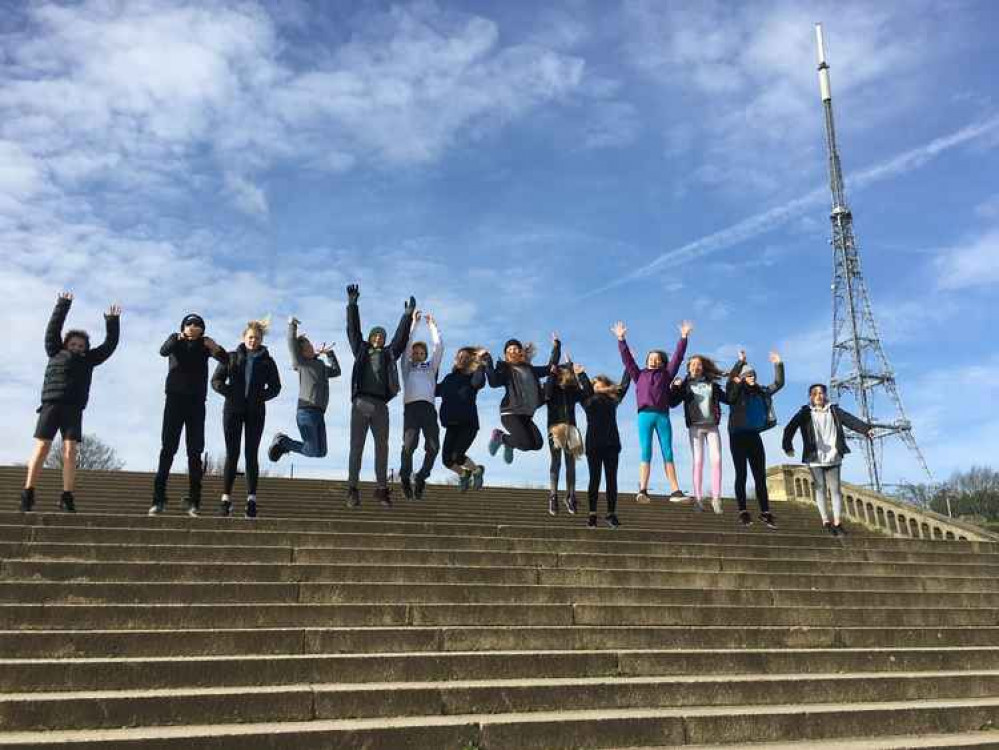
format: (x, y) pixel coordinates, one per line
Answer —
(225, 498)
(251, 498)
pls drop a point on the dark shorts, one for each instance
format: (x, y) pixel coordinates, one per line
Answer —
(65, 419)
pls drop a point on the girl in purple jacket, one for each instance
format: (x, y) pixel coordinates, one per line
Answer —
(652, 392)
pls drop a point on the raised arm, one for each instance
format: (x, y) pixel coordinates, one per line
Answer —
(400, 340)
(333, 366)
(294, 350)
(438, 344)
(624, 385)
(585, 386)
(496, 375)
(112, 325)
(778, 374)
(543, 371)
(354, 336)
(53, 331)
(679, 351)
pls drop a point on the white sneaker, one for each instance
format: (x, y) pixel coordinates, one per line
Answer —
(716, 505)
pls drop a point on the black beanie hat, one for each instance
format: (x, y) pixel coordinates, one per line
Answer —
(377, 331)
(513, 342)
(192, 318)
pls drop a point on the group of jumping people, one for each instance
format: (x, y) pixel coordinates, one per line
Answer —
(248, 377)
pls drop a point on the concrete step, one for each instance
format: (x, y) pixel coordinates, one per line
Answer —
(978, 740)
(465, 592)
(599, 728)
(145, 616)
(108, 709)
(233, 572)
(25, 675)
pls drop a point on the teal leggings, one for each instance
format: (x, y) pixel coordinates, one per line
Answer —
(657, 422)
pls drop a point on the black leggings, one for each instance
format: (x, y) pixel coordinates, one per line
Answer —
(185, 413)
(747, 447)
(522, 433)
(233, 425)
(606, 459)
(458, 438)
(555, 468)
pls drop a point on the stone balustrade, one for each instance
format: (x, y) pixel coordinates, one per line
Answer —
(790, 482)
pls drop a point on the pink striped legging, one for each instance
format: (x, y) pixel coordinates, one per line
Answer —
(698, 436)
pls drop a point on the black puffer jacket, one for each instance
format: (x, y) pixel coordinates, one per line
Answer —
(230, 381)
(499, 375)
(68, 375)
(362, 351)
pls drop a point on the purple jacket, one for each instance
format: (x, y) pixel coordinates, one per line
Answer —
(652, 386)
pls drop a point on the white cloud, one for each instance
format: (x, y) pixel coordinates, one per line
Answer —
(972, 264)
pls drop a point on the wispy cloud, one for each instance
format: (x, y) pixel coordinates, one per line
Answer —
(772, 218)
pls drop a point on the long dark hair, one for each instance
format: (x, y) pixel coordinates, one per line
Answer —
(709, 370)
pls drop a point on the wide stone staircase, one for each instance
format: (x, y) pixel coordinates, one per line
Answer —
(477, 622)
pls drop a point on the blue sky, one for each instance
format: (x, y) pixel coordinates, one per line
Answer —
(519, 167)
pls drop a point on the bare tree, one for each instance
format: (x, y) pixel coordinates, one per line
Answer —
(92, 453)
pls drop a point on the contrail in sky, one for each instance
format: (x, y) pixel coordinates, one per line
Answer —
(772, 218)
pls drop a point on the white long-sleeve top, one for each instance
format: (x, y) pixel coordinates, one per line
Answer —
(419, 379)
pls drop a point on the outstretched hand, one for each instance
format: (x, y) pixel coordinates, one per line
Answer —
(686, 327)
(353, 293)
(66, 296)
(114, 311)
(774, 358)
(293, 321)
(620, 330)
(677, 382)
(742, 355)
(410, 306)
(324, 349)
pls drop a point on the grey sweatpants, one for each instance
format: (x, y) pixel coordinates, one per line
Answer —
(419, 417)
(827, 476)
(368, 413)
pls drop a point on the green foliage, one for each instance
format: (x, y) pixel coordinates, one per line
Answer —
(972, 493)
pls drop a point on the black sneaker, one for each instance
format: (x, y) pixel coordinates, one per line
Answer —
(612, 521)
(677, 496)
(642, 497)
(67, 503)
(419, 486)
(27, 499)
(353, 497)
(591, 522)
(829, 527)
(744, 518)
(768, 520)
(158, 506)
(464, 480)
(552, 504)
(570, 503)
(478, 477)
(277, 450)
(407, 487)
(225, 508)
(839, 530)
(251, 509)
(192, 505)
(384, 497)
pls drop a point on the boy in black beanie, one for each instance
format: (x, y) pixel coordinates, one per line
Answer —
(186, 392)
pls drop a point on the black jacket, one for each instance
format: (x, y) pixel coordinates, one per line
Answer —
(230, 381)
(498, 375)
(601, 414)
(683, 394)
(803, 421)
(68, 375)
(739, 395)
(362, 351)
(458, 392)
(187, 373)
(561, 401)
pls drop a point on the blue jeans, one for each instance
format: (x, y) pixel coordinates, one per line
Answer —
(312, 425)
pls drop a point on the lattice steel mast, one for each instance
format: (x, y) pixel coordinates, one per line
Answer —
(859, 364)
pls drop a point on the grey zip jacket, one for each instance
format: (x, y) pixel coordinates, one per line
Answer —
(313, 374)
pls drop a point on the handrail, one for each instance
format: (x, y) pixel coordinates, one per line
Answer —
(891, 517)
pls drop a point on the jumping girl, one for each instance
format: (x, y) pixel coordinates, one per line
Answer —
(751, 412)
(247, 381)
(601, 398)
(824, 448)
(652, 386)
(562, 393)
(419, 381)
(459, 415)
(702, 398)
(524, 395)
(65, 393)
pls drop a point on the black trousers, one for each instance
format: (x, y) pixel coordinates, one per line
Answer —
(458, 438)
(522, 433)
(419, 418)
(233, 426)
(747, 448)
(187, 414)
(605, 460)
